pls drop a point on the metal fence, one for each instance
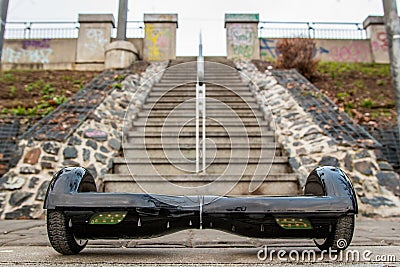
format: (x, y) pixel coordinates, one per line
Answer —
(41, 30)
(317, 30)
(55, 30)
(135, 29)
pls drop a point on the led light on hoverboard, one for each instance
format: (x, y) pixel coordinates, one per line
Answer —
(114, 217)
(293, 223)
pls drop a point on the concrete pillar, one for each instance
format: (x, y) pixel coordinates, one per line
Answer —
(120, 55)
(242, 36)
(160, 36)
(376, 33)
(94, 35)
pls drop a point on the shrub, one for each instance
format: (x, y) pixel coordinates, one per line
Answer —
(297, 53)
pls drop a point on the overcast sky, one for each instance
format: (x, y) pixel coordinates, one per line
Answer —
(207, 15)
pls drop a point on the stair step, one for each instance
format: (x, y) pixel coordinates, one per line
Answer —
(220, 81)
(187, 69)
(193, 75)
(273, 184)
(209, 76)
(282, 177)
(184, 88)
(169, 106)
(180, 168)
(226, 84)
(166, 97)
(185, 161)
(238, 123)
(207, 69)
(190, 131)
(188, 140)
(180, 99)
(174, 151)
(187, 113)
(192, 93)
(224, 120)
(264, 145)
(142, 134)
(250, 130)
(191, 153)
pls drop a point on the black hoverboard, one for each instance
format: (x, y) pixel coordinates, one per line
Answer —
(76, 212)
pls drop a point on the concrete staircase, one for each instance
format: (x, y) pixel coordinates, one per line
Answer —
(242, 157)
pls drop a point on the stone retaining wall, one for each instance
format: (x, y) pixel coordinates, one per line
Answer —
(308, 146)
(93, 145)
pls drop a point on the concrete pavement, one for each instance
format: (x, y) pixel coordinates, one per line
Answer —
(377, 242)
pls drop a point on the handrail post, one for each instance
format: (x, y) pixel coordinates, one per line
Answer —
(200, 100)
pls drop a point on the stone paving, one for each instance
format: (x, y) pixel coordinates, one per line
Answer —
(368, 232)
(25, 242)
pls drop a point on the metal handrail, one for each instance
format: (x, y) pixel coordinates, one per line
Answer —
(200, 108)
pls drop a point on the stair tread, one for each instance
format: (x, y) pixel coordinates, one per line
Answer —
(276, 159)
(191, 134)
(289, 177)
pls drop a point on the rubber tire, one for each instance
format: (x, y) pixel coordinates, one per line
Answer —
(60, 235)
(342, 230)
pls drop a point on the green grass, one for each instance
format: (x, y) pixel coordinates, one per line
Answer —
(13, 91)
(7, 77)
(367, 103)
(380, 82)
(49, 99)
(342, 96)
(359, 84)
(348, 107)
(338, 68)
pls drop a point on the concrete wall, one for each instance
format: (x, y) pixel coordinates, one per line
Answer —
(328, 50)
(373, 49)
(49, 54)
(87, 52)
(39, 54)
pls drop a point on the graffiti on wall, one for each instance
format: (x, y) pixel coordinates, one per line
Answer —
(36, 44)
(241, 39)
(352, 52)
(157, 41)
(31, 51)
(380, 42)
(268, 49)
(96, 39)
